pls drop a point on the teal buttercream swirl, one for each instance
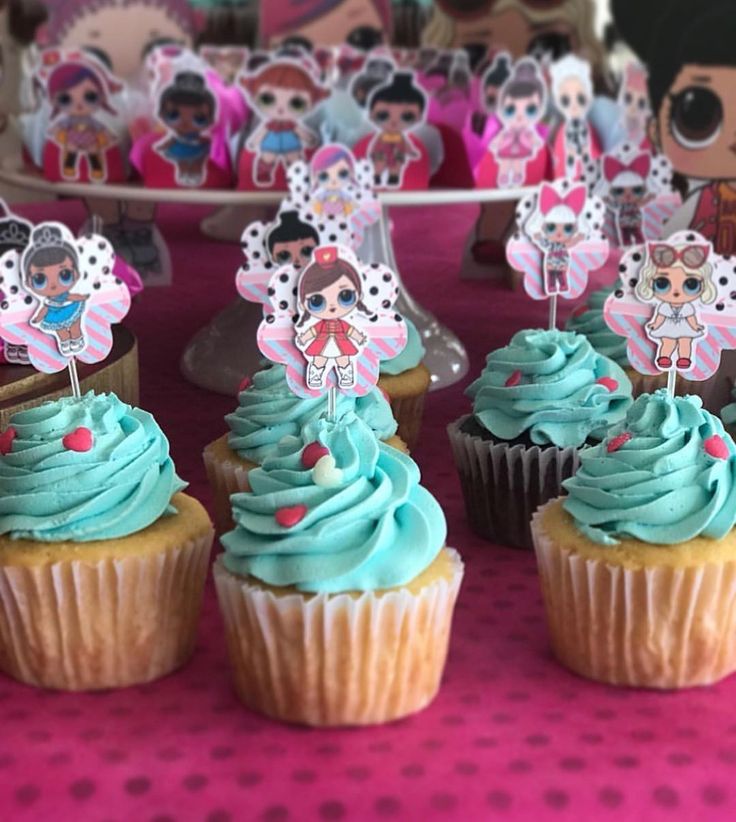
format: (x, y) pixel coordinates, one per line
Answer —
(552, 386)
(588, 321)
(376, 529)
(660, 485)
(121, 485)
(268, 410)
(410, 357)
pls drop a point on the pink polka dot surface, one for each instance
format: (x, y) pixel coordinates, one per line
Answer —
(512, 735)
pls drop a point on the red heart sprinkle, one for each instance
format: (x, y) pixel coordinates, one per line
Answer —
(6, 440)
(312, 453)
(244, 383)
(290, 516)
(608, 382)
(513, 380)
(618, 441)
(80, 439)
(716, 447)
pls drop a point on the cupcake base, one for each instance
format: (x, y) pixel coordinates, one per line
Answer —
(504, 483)
(634, 614)
(339, 659)
(406, 393)
(104, 614)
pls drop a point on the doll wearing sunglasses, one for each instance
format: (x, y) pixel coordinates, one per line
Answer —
(675, 278)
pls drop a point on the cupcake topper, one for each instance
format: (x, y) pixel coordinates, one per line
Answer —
(637, 189)
(558, 242)
(676, 305)
(60, 298)
(15, 232)
(332, 322)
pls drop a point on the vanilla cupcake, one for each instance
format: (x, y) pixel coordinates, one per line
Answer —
(335, 586)
(267, 411)
(406, 380)
(538, 401)
(102, 557)
(638, 562)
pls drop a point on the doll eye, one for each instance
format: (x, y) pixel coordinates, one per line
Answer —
(38, 280)
(696, 117)
(91, 97)
(347, 297)
(638, 191)
(66, 276)
(283, 256)
(531, 110)
(582, 100)
(408, 117)
(171, 115)
(306, 251)
(201, 119)
(323, 176)
(298, 104)
(565, 101)
(343, 174)
(381, 116)
(692, 285)
(642, 104)
(266, 99)
(550, 228)
(315, 302)
(64, 99)
(661, 285)
(617, 191)
(509, 110)
(628, 99)
(568, 228)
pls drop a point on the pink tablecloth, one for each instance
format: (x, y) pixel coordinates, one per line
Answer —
(511, 735)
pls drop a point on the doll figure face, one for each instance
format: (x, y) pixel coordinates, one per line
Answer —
(395, 117)
(334, 302)
(572, 99)
(636, 105)
(334, 177)
(559, 232)
(80, 100)
(627, 194)
(696, 123)
(52, 280)
(520, 111)
(186, 119)
(276, 103)
(295, 252)
(677, 286)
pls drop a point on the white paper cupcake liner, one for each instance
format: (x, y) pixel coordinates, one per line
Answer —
(337, 659)
(225, 478)
(504, 484)
(653, 627)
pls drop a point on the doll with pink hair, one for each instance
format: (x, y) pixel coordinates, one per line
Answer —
(333, 176)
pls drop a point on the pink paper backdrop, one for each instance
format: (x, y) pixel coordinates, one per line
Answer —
(511, 735)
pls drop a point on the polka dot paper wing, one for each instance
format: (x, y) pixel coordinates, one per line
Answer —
(675, 305)
(333, 322)
(559, 240)
(61, 298)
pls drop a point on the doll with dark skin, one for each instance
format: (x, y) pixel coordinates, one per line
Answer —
(692, 88)
(291, 241)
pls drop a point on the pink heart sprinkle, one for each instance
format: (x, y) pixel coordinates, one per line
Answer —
(513, 380)
(6, 440)
(244, 383)
(80, 439)
(716, 447)
(290, 516)
(618, 441)
(312, 453)
(608, 382)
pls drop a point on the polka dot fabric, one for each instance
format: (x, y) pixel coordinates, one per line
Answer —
(510, 736)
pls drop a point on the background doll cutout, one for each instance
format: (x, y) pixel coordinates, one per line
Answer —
(15, 233)
(675, 305)
(62, 297)
(559, 240)
(332, 323)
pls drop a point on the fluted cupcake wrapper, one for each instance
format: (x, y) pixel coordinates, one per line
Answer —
(503, 485)
(337, 659)
(408, 413)
(88, 625)
(653, 627)
(225, 477)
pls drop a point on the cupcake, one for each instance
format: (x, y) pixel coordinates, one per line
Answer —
(638, 562)
(102, 557)
(538, 401)
(587, 319)
(728, 414)
(335, 586)
(405, 380)
(267, 411)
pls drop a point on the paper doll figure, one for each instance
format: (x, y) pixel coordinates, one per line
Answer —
(633, 101)
(332, 322)
(675, 305)
(521, 105)
(375, 70)
(576, 142)
(291, 241)
(282, 93)
(15, 232)
(559, 241)
(333, 173)
(627, 195)
(188, 110)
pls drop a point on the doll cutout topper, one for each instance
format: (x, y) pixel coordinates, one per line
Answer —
(637, 190)
(559, 240)
(633, 103)
(15, 233)
(62, 297)
(576, 141)
(282, 92)
(517, 153)
(676, 305)
(84, 127)
(396, 109)
(332, 322)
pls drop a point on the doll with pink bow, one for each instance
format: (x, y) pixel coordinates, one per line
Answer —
(633, 102)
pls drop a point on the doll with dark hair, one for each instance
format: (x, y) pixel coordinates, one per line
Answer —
(688, 48)
(291, 241)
